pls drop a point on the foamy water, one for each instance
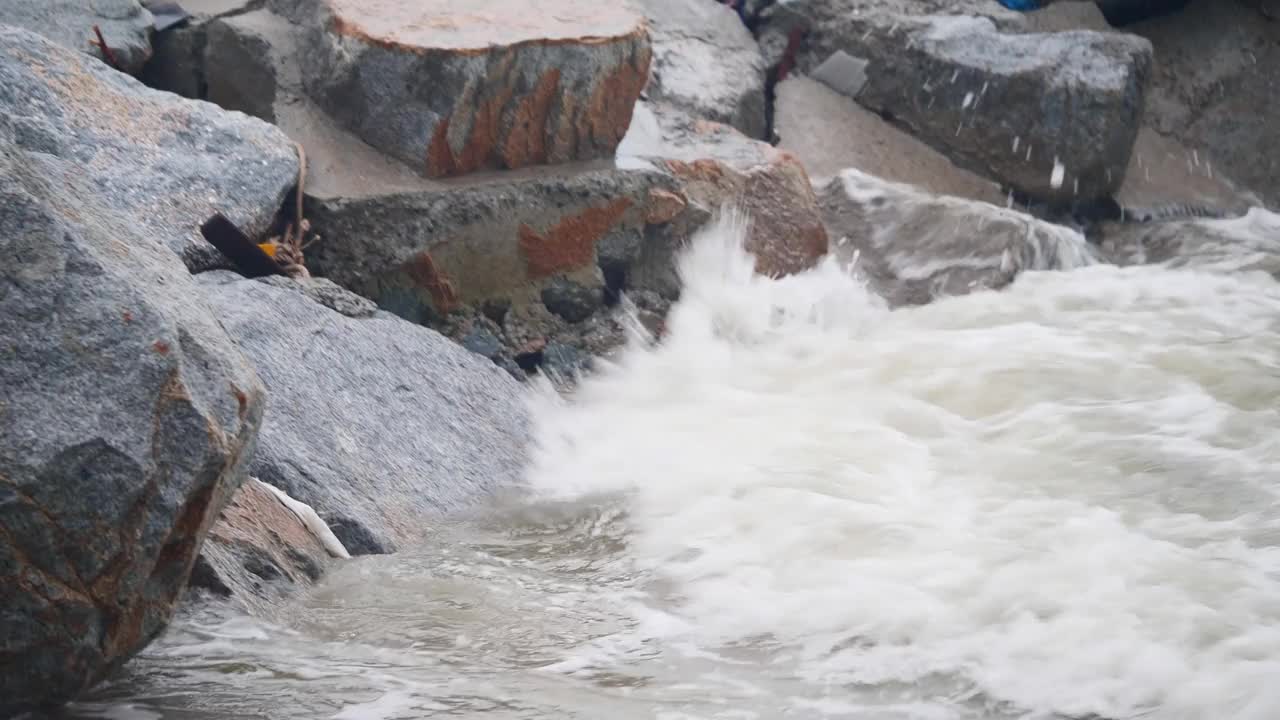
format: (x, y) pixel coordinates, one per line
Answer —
(1054, 501)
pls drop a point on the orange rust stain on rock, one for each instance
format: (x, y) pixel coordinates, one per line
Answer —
(704, 169)
(608, 112)
(426, 274)
(663, 206)
(526, 141)
(482, 140)
(571, 243)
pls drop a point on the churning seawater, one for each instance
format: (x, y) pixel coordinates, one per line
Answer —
(1061, 500)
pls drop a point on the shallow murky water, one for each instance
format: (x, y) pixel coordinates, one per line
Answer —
(1056, 501)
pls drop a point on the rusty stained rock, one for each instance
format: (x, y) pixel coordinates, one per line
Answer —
(786, 233)
(570, 244)
(127, 415)
(715, 167)
(258, 548)
(452, 86)
(498, 241)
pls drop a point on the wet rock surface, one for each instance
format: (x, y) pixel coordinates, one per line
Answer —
(168, 164)
(127, 418)
(125, 26)
(259, 550)
(706, 62)
(1250, 243)
(449, 88)
(377, 423)
(914, 247)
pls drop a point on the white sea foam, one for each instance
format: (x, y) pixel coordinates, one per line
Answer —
(1062, 496)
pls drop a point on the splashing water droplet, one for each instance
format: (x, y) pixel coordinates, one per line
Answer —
(1059, 173)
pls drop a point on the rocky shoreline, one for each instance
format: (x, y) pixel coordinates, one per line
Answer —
(489, 194)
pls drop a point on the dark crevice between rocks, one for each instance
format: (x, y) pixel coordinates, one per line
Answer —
(168, 51)
(530, 361)
(775, 75)
(615, 284)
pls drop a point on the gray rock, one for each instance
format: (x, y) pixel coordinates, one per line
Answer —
(378, 424)
(563, 363)
(706, 62)
(571, 301)
(912, 246)
(178, 59)
(1214, 90)
(1244, 244)
(483, 342)
(165, 162)
(1052, 115)
(240, 72)
(446, 90)
(127, 417)
(843, 73)
(125, 25)
(327, 293)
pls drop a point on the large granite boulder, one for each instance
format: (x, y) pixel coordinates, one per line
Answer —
(127, 417)
(377, 423)
(912, 246)
(450, 88)
(166, 163)
(706, 62)
(125, 25)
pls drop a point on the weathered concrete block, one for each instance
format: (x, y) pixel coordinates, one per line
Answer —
(449, 88)
(422, 254)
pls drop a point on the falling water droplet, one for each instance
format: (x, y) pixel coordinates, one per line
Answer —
(1016, 141)
(968, 100)
(1059, 173)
